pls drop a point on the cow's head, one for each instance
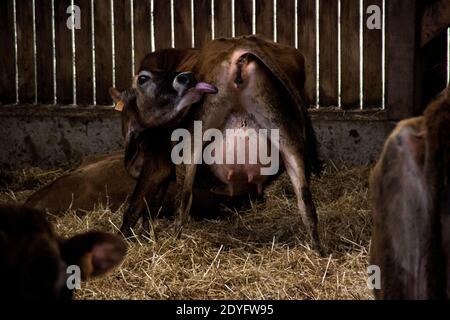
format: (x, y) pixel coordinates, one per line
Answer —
(163, 98)
(131, 129)
(36, 264)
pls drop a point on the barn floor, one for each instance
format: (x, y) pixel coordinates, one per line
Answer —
(262, 253)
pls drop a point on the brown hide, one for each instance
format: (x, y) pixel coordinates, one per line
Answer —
(100, 180)
(410, 197)
(251, 68)
(287, 65)
(170, 60)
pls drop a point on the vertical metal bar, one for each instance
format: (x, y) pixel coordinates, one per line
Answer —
(74, 66)
(94, 88)
(35, 52)
(361, 57)
(152, 24)
(317, 54)
(133, 66)
(172, 24)
(15, 52)
(383, 58)
(339, 57)
(275, 31)
(113, 45)
(233, 18)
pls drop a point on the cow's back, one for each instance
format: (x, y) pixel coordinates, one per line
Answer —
(98, 180)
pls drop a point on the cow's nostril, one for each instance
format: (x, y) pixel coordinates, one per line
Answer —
(143, 79)
(184, 78)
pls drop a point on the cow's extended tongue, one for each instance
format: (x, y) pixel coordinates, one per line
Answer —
(206, 87)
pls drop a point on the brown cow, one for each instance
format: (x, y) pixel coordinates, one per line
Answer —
(410, 188)
(108, 180)
(34, 261)
(260, 86)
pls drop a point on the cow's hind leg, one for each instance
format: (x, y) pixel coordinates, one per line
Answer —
(263, 97)
(295, 168)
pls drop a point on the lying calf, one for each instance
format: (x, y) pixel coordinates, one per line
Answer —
(101, 180)
(34, 261)
(410, 188)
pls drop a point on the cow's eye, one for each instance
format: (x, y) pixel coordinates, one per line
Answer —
(143, 79)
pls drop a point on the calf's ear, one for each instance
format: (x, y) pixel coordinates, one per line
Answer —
(116, 95)
(94, 252)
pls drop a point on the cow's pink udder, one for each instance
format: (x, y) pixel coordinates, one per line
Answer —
(238, 178)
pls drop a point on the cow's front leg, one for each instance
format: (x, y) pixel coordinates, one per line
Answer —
(186, 196)
(148, 195)
(295, 167)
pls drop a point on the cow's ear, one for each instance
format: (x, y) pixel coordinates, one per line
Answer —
(94, 252)
(117, 96)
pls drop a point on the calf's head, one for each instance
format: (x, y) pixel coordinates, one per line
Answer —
(34, 261)
(163, 98)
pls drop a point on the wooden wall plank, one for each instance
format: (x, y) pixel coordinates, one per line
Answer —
(328, 81)
(264, 18)
(243, 19)
(142, 30)
(63, 50)
(103, 51)
(350, 54)
(372, 52)
(7, 62)
(83, 54)
(434, 69)
(222, 18)
(122, 43)
(44, 52)
(307, 46)
(402, 52)
(163, 31)
(202, 22)
(25, 51)
(182, 23)
(286, 22)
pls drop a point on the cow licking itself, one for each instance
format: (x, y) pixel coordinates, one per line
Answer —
(34, 261)
(260, 86)
(108, 180)
(410, 188)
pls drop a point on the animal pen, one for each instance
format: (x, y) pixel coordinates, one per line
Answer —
(55, 108)
(54, 79)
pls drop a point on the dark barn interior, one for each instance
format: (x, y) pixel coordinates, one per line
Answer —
(54, 82)
(55, 108)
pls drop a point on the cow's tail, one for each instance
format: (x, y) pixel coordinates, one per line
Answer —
(313, 162)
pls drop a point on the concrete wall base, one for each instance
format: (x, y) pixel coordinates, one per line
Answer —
(46, 136)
